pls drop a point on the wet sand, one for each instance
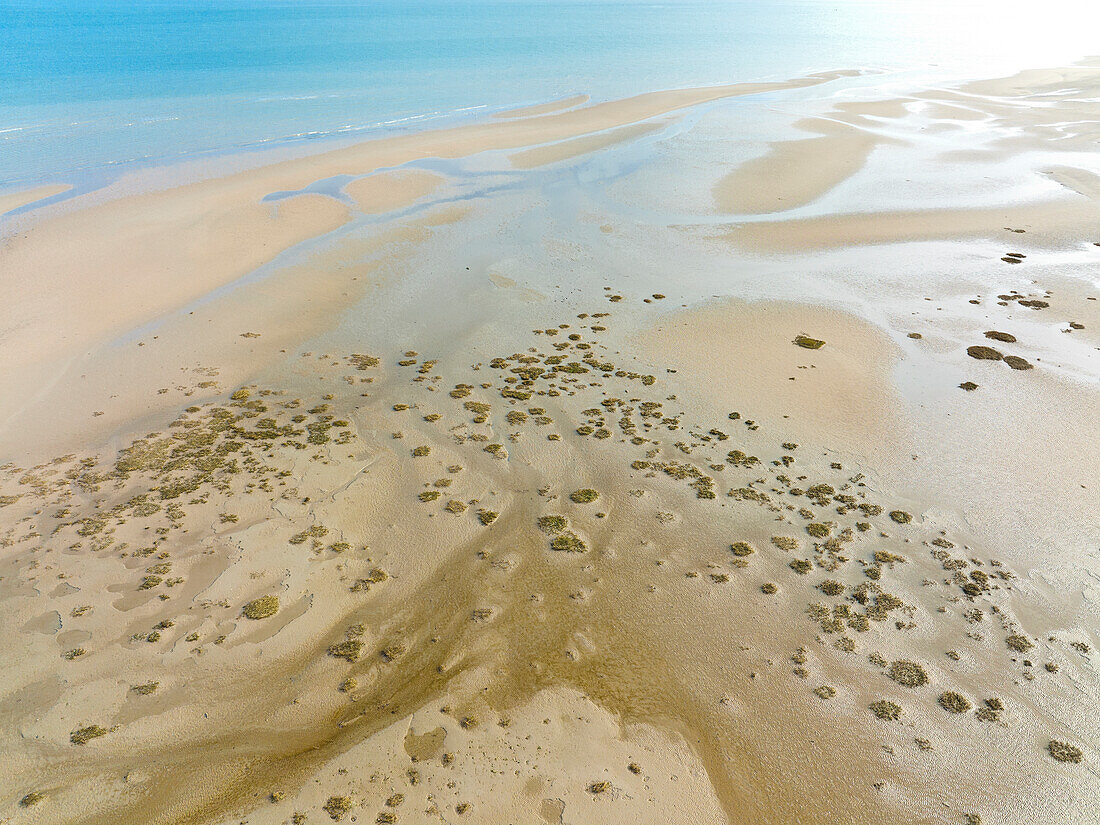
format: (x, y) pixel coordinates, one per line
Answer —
(463, 493)
(10, 201)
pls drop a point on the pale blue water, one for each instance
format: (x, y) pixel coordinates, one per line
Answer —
(89, 87)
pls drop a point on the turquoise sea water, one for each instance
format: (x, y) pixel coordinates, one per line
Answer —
(88, 87)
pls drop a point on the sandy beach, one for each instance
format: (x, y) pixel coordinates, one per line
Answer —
(721, 454)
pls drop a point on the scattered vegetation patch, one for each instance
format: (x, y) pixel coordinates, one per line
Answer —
(886, 710)
(831, 587)
(261, 608)
(348, 650)
(337, 807)
(82, 736)
(568, 542)
(806, 342)
(1065, 752)
(552, 524)
(742, 549)
(984, 353)
(585, 496)
(907, 673)
(954, 702)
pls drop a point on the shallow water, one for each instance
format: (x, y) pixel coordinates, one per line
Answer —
(89, 87)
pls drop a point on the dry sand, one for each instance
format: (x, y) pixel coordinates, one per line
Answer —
(381, 536)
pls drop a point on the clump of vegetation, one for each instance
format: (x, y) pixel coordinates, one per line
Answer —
(82, 736)
(825, 691)
(337, 807)
(421, 451)
(817, 530)
(991, 712)
(599, 787)
(900, 516)
(742, 549)
(487, 517)
(786, 543)
(315, 532)
(907, 673)
(801, 566)
(347, 650)
(768, 589)
(806, 342)
(146, 689)
(984, 353)
(969, 386)
(392, 652)
(1018, 363)
(585, 496)
(739, 458)
(1004, 337)
(886, 710)
(552, 524)
(1019, 643)
(831, 588)
(1065, 752)
(568, 542)
(33, 798)
(455, 506)
(261, 608)
(954, 702)
(429, 495)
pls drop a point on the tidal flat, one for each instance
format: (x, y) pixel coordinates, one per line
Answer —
(574, 466)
